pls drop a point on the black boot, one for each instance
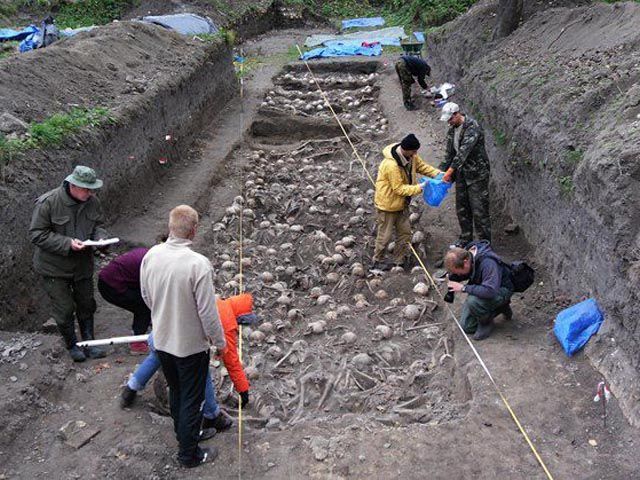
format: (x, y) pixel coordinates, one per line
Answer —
(206, 434)
(69, 336)
(77, 354)
(127, 397)
(409, 105)
(86, 332)
(507, 312)
(220, 423)
(484, 330)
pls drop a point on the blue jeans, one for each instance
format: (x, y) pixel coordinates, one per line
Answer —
(151, 364)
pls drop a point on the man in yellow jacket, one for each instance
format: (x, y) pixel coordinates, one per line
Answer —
(396, 183)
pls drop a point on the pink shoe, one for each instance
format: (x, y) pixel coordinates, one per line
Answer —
(139, 348)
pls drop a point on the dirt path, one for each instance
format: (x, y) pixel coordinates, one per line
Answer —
(412, 405)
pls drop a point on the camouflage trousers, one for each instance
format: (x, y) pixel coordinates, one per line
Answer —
(406, 80)
(472, 207)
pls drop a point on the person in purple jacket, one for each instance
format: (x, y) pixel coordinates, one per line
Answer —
(489, 286)
(119, 284)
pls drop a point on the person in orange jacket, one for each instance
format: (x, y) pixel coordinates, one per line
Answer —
(231, 311)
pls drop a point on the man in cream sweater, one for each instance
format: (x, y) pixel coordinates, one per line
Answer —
(177, 285)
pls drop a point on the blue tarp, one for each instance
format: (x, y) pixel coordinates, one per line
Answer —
(10, 35)
(362, 22)
(575, 325)
(184, 23)
(337, 50)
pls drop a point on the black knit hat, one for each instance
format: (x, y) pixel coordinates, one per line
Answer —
(410, 142)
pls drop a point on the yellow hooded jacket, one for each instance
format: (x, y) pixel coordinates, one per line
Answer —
(392, 184)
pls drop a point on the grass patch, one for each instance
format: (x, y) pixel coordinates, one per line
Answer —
(79, 13)
(227, 36)
(53, 131)
(566, 184)
(574, 156)
(501, 138)
(8, 48)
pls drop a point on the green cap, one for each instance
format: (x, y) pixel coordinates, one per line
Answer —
(84, 177)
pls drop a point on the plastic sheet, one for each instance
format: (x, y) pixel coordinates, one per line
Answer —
(184, 23)
(338, 50)
(575, 325)
(435, 190)
(362, 22)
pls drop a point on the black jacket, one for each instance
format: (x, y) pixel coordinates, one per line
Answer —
(418, 68)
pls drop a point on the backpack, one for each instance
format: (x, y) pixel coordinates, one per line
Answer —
(522, 276)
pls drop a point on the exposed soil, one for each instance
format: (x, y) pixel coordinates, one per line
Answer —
(560, 98)
(414, 405)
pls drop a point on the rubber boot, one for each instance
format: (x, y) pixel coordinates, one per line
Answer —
(86, 331)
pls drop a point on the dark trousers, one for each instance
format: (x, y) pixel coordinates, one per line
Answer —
(186, 378)
(472, 207)
(478, 310)
(69, 296)
(406, 80)
(130, 300)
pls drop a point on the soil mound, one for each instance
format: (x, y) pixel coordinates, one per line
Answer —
(153, 83)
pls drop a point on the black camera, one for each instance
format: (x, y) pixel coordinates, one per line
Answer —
(449, 297)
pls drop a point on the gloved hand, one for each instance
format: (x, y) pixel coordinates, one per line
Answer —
(448, 176)
(244, 398)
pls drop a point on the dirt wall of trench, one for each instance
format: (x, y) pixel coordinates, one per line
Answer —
(154, 83)
(560, 101)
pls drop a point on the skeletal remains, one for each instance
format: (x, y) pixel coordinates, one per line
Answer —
(333, 337)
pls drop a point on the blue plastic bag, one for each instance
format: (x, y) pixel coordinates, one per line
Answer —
(435, 190)
(575, 325)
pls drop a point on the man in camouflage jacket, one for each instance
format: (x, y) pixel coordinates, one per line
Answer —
(466, 162)
(62, 219)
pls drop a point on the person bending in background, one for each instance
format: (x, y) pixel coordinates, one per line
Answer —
(407, 68)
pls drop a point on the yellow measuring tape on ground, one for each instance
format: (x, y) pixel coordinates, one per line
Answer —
(431, 280)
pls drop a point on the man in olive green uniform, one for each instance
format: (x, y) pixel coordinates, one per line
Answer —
(466, 162)
(62, 219)
(396, 183)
